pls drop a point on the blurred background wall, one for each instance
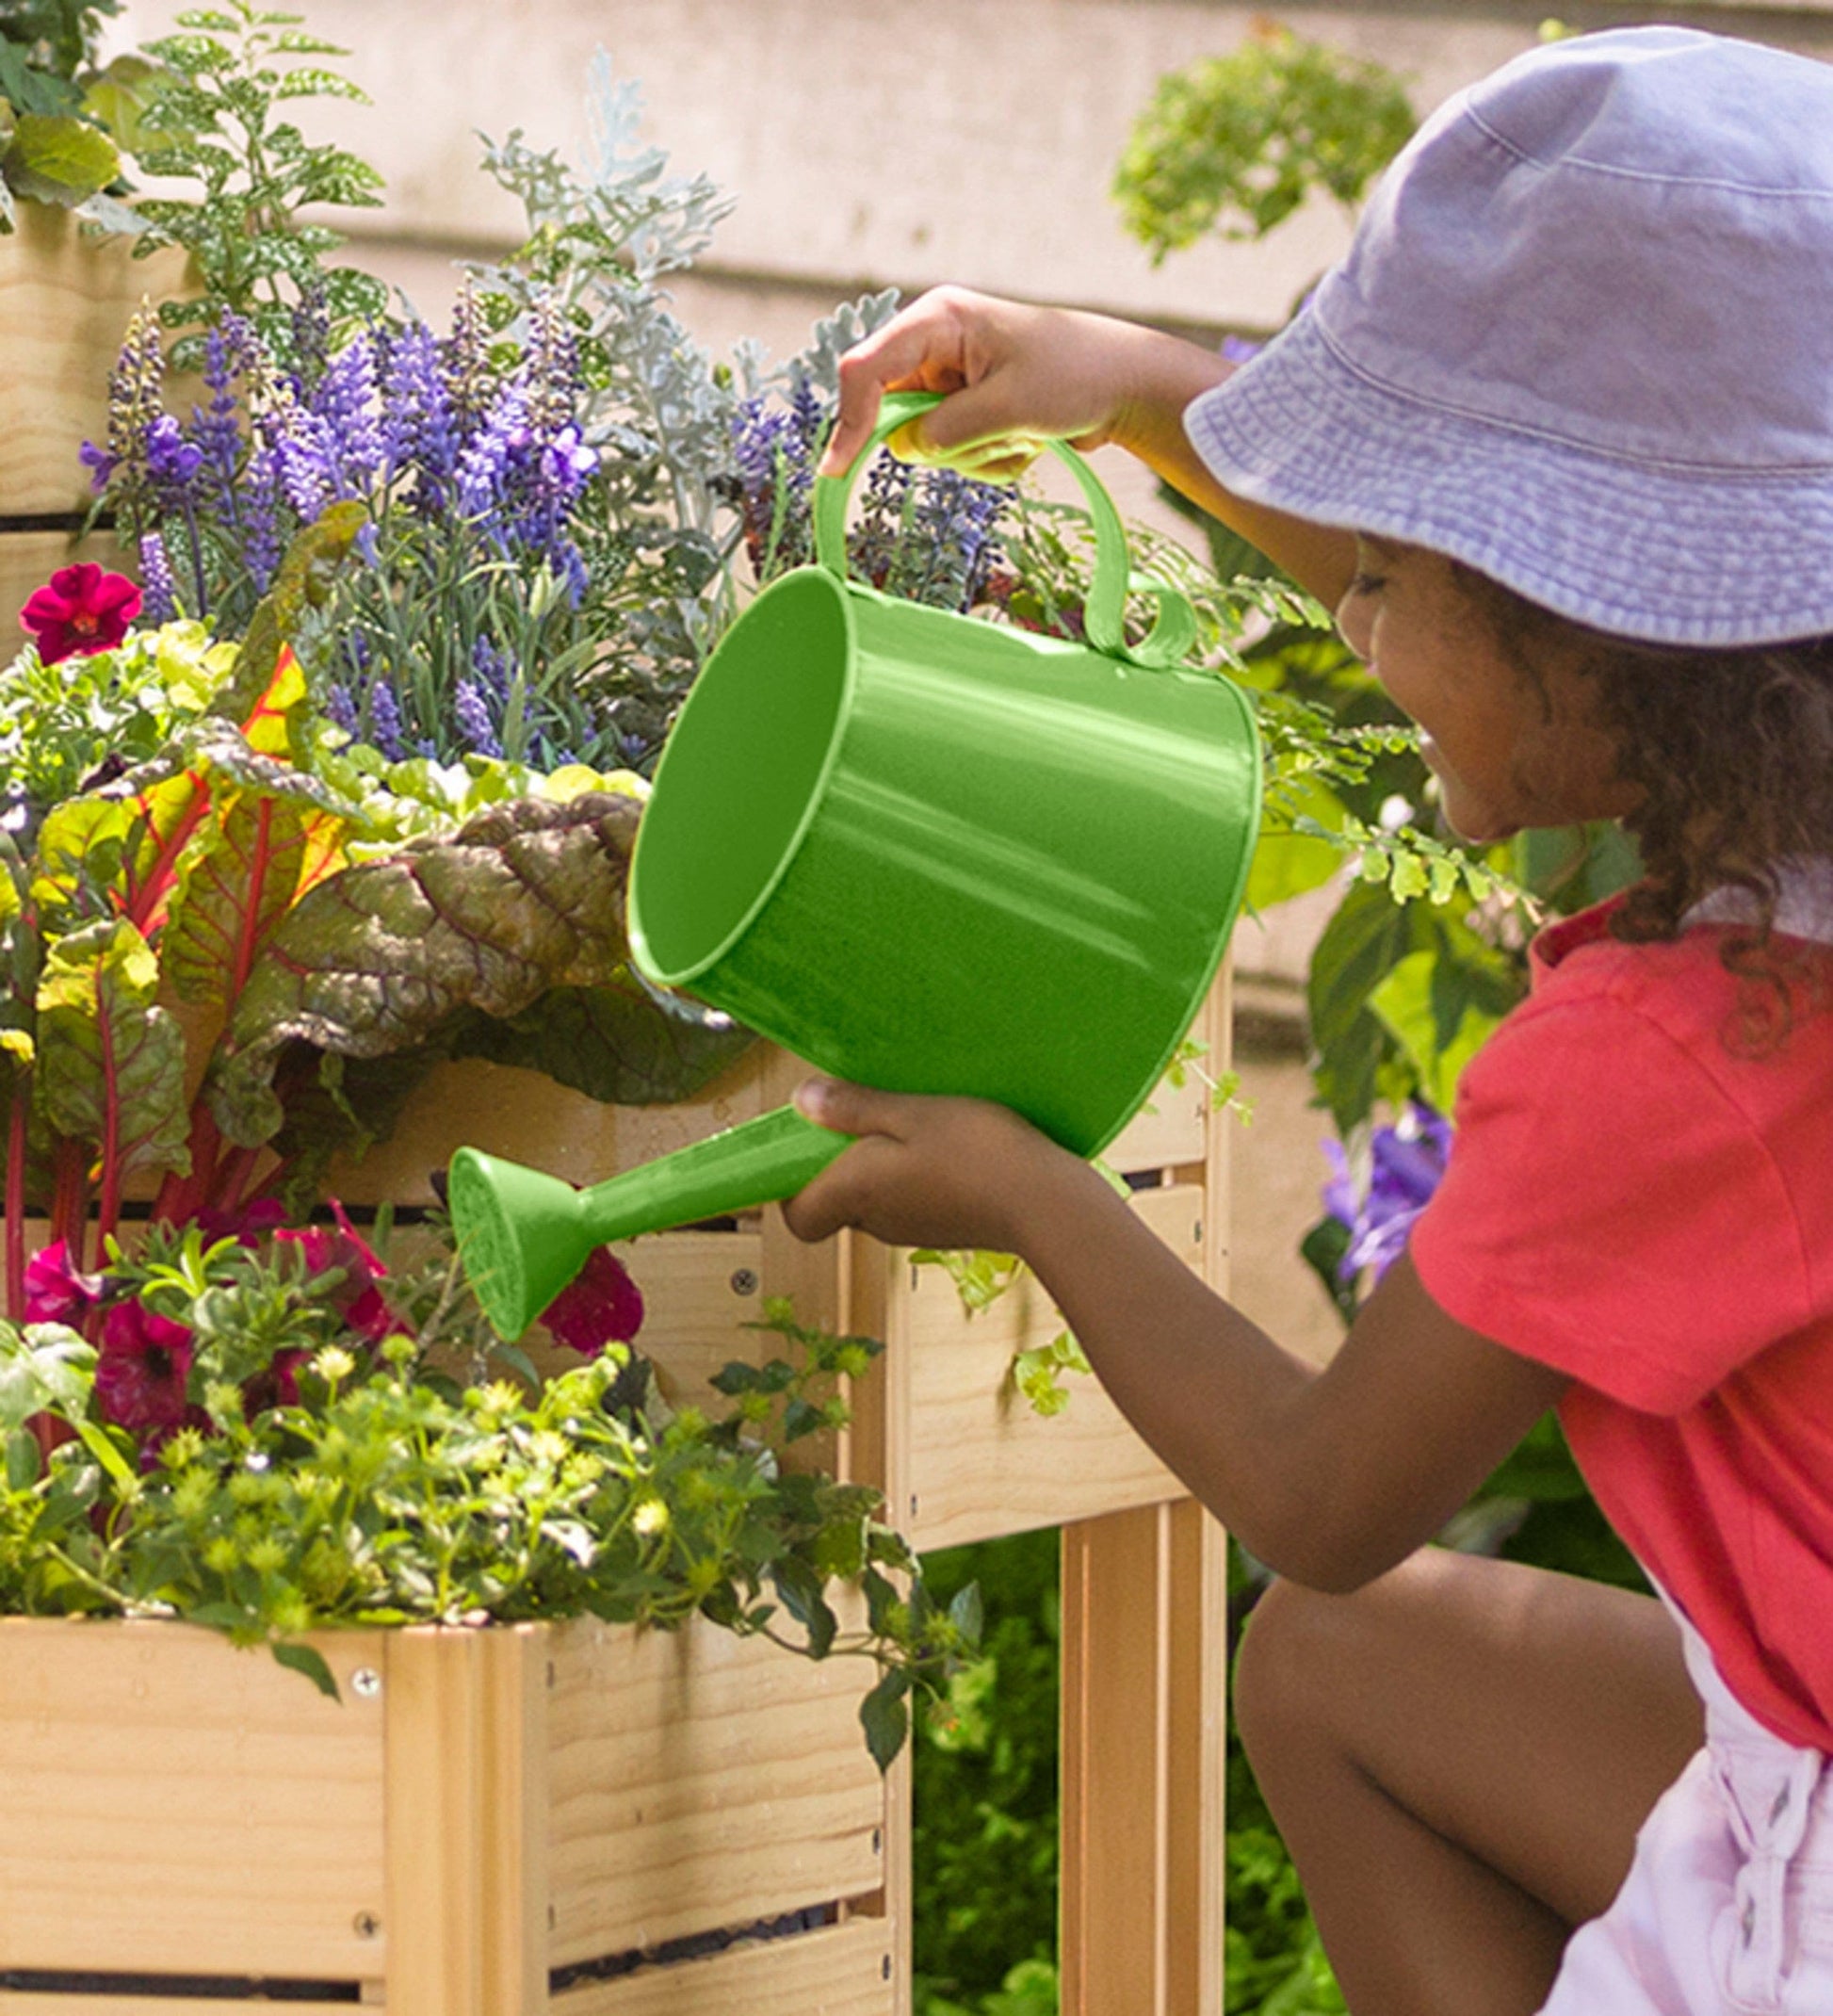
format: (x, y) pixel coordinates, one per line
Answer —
(868, 146)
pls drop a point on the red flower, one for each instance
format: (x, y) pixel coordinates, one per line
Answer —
(603, 1305)
(142, 1367)
(55, 1292)
(357, 1300)
(80, 608)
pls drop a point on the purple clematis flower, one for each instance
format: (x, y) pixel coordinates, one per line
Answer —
(1408, 1163)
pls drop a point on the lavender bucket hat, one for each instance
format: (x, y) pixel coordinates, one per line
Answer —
(1583, 340)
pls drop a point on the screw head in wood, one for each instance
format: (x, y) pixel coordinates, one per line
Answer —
(366, 1925)
(367, 1681)
(744, 1282)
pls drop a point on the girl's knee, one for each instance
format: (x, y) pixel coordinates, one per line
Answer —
(1305, 1651)
(1281, 1679)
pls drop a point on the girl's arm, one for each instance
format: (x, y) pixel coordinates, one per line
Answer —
(1328, 1476)
(1016, 375)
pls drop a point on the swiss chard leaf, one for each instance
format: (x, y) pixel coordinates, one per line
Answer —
(110, 1061)
(409, 953)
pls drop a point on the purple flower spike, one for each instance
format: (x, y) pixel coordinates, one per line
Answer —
(160, 592)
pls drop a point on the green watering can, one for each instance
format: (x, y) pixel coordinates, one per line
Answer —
(926, 853)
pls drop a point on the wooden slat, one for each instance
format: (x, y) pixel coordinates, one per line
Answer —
(176, 1806)
(983, 1462)
(27, 2002)
(528, 1119)
(466, 1838)
(843, 1971)
(1144, 1681)
(1143, 1758)
(698, 1782)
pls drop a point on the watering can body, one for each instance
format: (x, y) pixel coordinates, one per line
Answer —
(927, 854)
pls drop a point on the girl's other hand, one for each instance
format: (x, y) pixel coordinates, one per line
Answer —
(1016, 376)
(955, 1173)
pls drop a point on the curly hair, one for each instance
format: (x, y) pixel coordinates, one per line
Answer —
(1731, 751)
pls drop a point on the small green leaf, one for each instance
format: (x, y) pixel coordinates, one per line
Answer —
(102, 1446)
(308, 1659)
(884, 1715)
(59, 160)
(23, 1460)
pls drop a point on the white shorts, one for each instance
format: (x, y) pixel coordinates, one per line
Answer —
(1727, 1909)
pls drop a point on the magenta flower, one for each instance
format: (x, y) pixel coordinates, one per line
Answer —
(603, 1305)
(80, 609)
(55, 1292)
(358, 1300)
(142, 1368)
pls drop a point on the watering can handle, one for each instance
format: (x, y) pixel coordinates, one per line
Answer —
(1166, 644)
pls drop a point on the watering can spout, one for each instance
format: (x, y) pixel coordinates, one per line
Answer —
(523, 1235)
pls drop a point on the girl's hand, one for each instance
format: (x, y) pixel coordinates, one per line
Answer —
(955, 1173)
(1017, 375)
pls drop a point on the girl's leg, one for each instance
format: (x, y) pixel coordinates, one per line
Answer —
(1459, 1755)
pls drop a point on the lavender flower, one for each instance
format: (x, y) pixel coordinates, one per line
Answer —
(340, 706)
(471, 710)
(420, 431)
(134, 396)
(470, 385)
(1408, 1162)
(259, 514)
(227, 351)
(159, 592)
(488, 464)
(99, 463)
(771, 451)
(385, 721)
(310, 319)
(350, 438)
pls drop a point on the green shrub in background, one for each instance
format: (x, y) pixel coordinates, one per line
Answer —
(985, 1837)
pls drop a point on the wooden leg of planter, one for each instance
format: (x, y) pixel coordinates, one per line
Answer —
(1143, 1650)
(466, 1925)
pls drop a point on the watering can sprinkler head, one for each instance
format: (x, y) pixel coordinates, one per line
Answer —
(522, 1235)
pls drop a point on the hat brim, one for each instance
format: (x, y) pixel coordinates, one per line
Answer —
(1669, 554)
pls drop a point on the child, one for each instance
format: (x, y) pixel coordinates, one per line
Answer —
(1557, 439)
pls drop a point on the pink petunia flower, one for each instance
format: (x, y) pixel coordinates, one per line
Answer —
(80, 609)
(602, 1306)
(55, 1292)
(358, 1300)
(142, 1368)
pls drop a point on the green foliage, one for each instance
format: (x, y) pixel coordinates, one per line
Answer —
(214, 121)
(1234, 144)
(53, 148)
(986, 1765)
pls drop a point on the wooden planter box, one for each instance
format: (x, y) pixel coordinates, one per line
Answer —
(589, 1821)
(575, 1818)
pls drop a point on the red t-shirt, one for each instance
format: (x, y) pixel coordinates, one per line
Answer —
(1636, 1202)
